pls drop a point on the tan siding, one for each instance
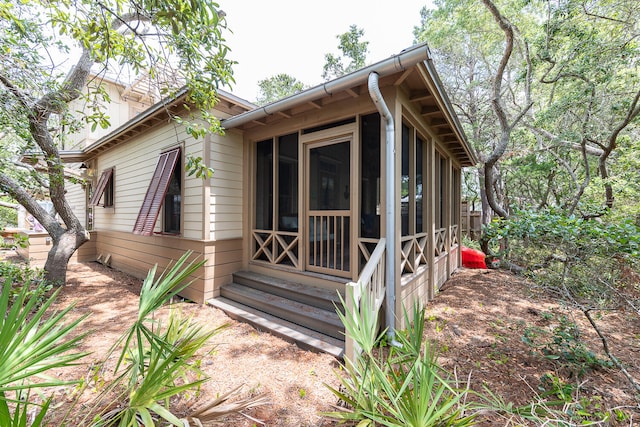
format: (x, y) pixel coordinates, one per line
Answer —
(40, 244)
(136, 255)
(415, 291)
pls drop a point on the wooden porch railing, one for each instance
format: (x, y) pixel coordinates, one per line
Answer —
(370, 285)
(276, 247)
(454, 235)
(440, 241)
(413, 253)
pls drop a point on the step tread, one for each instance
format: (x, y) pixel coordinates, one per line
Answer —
(289, 286)
(304, 337)
(283, 303)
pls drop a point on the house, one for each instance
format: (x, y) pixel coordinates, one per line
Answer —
(356, 180)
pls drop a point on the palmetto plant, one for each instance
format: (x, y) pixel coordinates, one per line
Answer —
(156, 362)
(405, 387)
(31, 343)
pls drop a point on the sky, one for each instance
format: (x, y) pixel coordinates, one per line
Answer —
(292, 36)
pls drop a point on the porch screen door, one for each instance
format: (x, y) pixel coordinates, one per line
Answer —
(329, 208)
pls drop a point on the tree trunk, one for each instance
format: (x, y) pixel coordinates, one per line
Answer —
(58, 257)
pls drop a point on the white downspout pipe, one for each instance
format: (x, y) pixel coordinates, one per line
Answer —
(390, 199)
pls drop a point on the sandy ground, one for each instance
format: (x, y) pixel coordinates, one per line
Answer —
(478, 320)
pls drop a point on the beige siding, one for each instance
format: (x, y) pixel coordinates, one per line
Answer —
(76, 196)
(413, 291)
(134, 164)
(225, 213)
(115, 110)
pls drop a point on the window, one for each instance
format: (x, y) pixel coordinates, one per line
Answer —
(413, 214)
(165, 188)
(284, 150)
(370, 177)
(104, 190)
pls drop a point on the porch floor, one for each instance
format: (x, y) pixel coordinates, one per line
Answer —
(297, 313)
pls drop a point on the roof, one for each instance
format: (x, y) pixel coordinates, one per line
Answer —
(412, 67)
(155, 114)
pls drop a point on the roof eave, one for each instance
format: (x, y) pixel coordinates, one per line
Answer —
(400, 62)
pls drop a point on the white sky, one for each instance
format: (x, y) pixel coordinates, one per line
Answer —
(292, 36)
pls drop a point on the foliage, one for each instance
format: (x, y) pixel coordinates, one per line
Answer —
(8, 216)
(585, 263)
(23, 276)
(352, 49)
(406, 387)
(278, 87)
(195, 166)
(562, 343)
(157, 362)
(540, 238)
(570, 98)
(155, 365)
(54, 56)
(32, 342)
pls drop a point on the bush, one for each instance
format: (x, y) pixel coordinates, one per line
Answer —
(405, 387)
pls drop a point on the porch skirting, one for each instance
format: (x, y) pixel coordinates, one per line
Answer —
(136, 255)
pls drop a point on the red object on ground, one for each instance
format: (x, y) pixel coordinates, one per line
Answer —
(472, 258)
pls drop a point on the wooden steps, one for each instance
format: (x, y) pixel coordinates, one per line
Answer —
(298, 313)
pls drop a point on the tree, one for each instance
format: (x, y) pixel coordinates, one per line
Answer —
(587, 62)
(562, 85)
(480, 71)
(278, 87)
(49, 50)
(352, 48)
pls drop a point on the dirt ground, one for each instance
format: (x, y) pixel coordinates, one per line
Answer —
(478, 321)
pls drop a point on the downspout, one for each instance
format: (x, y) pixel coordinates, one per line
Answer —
(390, 211)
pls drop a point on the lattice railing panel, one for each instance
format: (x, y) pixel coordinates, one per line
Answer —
(454, 235)
(440, 241)
(276, 247)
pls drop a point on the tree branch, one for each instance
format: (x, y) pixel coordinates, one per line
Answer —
(591, 150)
(57, 101)
(30, 203)
(605, 347)
(16, 92)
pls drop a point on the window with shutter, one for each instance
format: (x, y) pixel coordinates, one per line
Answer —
(104, 188)
(153, 199)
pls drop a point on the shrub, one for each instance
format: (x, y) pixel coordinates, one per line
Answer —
(405, 387)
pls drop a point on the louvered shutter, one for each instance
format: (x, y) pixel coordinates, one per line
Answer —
(158, 186)
(102, 184)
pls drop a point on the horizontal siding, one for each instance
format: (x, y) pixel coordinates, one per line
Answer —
(76, 197)
(136, 255)
(40, 245)
(135, 163)
(226, 191)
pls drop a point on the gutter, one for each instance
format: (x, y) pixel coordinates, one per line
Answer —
(400, 62)
(390, 205)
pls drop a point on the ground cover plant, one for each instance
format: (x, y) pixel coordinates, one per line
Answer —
(156, 362)
(477, 322)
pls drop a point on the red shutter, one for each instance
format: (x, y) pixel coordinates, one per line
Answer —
(158, 186)
(102, 184)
